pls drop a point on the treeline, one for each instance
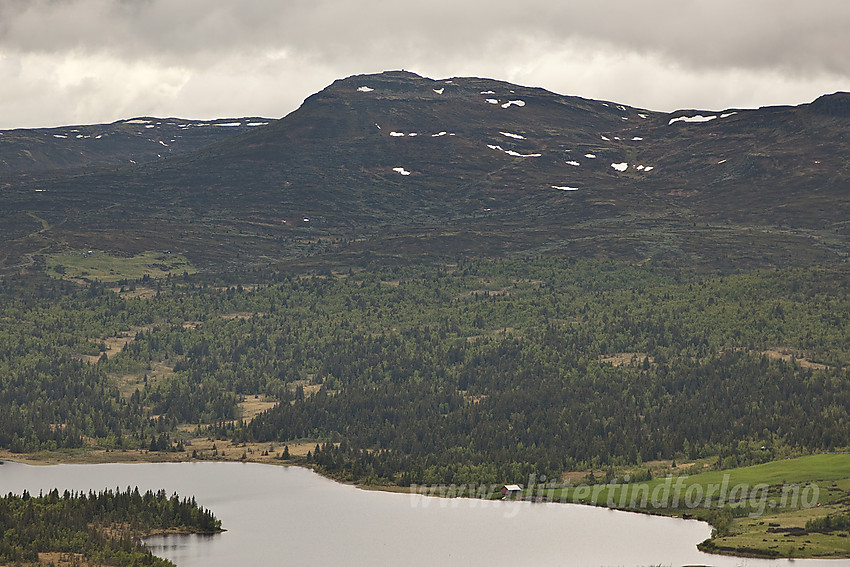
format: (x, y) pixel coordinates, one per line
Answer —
(830, 523)
(479, 371)
(556, 416)
(104, 527)
(52, 396)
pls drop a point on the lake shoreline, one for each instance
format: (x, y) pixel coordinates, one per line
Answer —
(90, 457)
(292, 511)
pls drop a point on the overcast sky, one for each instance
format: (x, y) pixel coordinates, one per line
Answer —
(84, 61)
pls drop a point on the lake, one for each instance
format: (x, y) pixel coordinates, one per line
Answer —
(292, 516)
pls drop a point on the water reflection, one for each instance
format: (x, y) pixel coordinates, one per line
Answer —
(183, 549)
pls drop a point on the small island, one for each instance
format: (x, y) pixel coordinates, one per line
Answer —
(94, 528)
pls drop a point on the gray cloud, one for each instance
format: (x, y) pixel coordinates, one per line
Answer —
(213, 58)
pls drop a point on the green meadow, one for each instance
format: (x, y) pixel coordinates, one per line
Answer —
(772, 476)
(759, 510)
(96, 265)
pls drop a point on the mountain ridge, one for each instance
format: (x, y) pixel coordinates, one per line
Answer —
(516, 169)
(132, 140)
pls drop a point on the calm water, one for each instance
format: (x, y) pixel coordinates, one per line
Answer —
(292, 516)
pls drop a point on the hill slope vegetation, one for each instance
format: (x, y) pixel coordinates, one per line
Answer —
(465, 166)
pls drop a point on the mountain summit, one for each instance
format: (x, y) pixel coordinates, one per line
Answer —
(470, 165)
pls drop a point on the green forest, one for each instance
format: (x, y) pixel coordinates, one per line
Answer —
(102, 527)
(475, 371)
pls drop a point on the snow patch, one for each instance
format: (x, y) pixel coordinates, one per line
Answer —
(637, 138)
(137, 121)
(438, 134)
(590, 156)
(514, 102)
(440, 90)
(724, 161)
(605, 138)
(253, 124)
(511, 152)
(649, 168)
(564, 188)
(364, 89)
(397, 134)
(413, 134)
(229, 124)
(151, 126)
(163, 143)
(620, 166)
(727, 114)
(573, 163)
(492, 101)
(644, 116)
(487, 92)
(692, 119)
(514, 136)
(59, 136)
(401, 170)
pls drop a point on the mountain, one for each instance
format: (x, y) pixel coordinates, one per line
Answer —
(401, 166)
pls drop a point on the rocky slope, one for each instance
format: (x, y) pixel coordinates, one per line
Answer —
(401, 165)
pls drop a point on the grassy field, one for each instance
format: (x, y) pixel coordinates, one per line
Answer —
(95, 265)
(759, 510)
(818, 470)
(775, 535)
